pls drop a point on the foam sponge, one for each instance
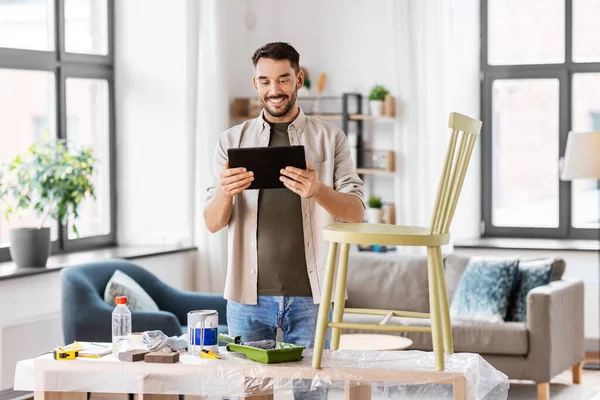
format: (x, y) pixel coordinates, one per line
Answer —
(262, 344)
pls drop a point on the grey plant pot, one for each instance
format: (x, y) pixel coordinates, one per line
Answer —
(30, 247)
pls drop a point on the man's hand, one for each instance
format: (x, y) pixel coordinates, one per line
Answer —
(235, 180)
(305, 183)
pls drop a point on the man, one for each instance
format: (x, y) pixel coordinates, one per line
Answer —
(276, 251)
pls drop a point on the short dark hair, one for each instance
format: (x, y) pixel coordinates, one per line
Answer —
(278, 51)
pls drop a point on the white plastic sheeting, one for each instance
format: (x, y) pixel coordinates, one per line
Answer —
(393, 374)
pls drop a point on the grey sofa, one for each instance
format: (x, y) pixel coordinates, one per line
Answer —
(548, 343)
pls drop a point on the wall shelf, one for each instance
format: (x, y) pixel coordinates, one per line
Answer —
(356, 117)
(374, 171)
(326, 116)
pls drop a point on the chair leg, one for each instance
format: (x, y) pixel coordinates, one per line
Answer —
(434, 305)
(340, 295)
(444, 308)
(324, 306)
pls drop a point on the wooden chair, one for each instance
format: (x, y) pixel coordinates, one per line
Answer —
(462, 141)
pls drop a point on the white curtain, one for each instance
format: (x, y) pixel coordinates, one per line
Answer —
(421, 32)
(210, 120)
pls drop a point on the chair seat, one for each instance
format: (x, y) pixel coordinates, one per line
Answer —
(383, 234)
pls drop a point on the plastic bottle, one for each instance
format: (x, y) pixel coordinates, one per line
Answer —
(121, 327)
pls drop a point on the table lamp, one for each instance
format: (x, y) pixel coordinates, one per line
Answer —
(582, 161)
(582, 156)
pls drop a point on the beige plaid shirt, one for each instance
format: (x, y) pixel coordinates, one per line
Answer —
(326, 148)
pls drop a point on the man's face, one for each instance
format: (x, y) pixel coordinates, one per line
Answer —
(277, 86)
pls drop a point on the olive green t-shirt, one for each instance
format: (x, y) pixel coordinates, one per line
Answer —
(281, 257)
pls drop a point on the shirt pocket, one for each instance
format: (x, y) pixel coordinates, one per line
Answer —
(315, 159)
(315, 154)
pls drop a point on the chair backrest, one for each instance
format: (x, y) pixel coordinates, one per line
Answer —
(464, 134)
(95, 276)
(85, 315)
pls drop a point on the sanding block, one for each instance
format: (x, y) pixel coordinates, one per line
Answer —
(161, 357)
(133, 355)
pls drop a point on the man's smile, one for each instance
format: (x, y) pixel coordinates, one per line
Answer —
(277, 101)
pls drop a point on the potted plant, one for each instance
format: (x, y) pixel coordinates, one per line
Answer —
(374, 212)
(50, 179)
(376, 98)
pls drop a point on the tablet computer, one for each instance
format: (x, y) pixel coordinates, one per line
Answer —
(266, 162)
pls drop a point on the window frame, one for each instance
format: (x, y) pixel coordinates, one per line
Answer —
(72, 65)
(564, 73)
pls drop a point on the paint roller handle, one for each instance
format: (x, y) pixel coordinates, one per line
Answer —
(225, 338)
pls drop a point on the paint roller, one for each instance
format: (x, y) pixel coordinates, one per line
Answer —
(266, 344)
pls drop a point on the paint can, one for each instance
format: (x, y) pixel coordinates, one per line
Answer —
(203, 330)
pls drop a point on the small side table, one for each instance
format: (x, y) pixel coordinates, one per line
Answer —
(372, 341)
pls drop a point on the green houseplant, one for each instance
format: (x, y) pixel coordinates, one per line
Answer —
(50, 178)
(374, 212)
(376, 98)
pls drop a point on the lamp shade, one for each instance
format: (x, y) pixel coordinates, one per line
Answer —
(582, 156)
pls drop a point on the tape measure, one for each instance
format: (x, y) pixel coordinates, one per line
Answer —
(60, 354)
(69, 352)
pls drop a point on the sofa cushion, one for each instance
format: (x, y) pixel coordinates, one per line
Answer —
(508, 338)
(454, 266)
(558, 269)
(121, 284)
(388, 281)
(484, 289)
(456, 263)
(531, 275)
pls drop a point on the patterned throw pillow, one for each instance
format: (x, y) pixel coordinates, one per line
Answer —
(484, 289)
(531, 274)
(121, 284)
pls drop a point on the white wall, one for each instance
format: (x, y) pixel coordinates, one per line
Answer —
(154, 138)
(349, 40)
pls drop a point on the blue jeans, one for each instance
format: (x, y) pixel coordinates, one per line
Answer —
(297, 318)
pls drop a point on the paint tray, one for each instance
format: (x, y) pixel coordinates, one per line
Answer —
(283, 352)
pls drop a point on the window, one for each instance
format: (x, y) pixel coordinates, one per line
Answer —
(56, 78)
(540, 79)
(27, 24)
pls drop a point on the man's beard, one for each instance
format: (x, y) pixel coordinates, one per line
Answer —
(291, 100)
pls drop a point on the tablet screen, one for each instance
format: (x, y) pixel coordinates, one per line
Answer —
(266, 162)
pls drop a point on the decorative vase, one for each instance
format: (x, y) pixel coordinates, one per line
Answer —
(376, 107)
(389, 106)
(390, 214)
(374, 215)
(29, 247)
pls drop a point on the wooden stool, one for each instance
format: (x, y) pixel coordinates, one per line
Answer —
(462, 141)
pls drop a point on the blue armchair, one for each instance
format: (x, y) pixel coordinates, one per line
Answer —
(87, 317)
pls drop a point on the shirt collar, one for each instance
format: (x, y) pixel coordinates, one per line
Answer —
(299, 123)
